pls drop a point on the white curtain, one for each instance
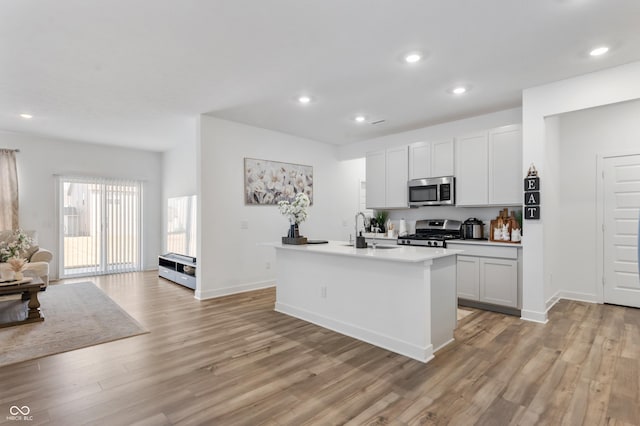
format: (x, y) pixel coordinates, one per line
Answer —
(8, 190)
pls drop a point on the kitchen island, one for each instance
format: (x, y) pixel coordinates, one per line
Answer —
(399, 298)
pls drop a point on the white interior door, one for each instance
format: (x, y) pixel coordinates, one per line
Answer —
(621, 210)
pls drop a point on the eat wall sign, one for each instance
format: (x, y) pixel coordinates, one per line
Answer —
(532, 197)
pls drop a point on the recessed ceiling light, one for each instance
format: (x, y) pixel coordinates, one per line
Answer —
(412, 58)
(459, 90)
(26, 116)
(360, 119)
(304, 99)
(599, 51)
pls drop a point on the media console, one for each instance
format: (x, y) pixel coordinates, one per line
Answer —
(178, 268)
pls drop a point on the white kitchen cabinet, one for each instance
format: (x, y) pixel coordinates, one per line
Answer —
(397, 176)
(505, 165)
(419, 160)
(431, 159)
(489, 167)
(442, 154)
(387, 172)
(499, 281)
(488, 274)
(472, 172)
(468, 281)
(376, 179)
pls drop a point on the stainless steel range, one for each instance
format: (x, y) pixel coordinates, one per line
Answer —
(433, 233)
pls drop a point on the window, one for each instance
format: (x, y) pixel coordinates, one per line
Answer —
(101, 226)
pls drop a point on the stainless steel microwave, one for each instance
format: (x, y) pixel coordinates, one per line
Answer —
(439, 191)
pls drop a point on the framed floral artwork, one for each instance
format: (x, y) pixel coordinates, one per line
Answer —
(268, 182)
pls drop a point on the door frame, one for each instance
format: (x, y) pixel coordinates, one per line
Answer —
(600, 159)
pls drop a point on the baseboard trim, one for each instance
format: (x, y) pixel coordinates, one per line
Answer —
(534, 316)
(489, 307)
(541, 317)
(579, 297)
(398, 346)
(552, 301)
(227, 291)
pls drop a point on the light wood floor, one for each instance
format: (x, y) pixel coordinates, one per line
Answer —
(235, 361)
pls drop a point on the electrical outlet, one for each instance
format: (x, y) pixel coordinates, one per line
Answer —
(323, 291)
(268, 265)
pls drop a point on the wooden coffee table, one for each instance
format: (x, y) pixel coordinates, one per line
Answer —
(25, 310)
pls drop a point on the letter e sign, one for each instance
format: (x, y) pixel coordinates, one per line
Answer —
(532, 184)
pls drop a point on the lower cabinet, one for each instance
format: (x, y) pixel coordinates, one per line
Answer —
(490, 281)
(499, 281)
(468, 281)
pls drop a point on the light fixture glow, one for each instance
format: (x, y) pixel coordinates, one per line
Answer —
(412, 58)
(599, 51)
(459, 90)
(26, 116)
(360, 119)
(304, 99)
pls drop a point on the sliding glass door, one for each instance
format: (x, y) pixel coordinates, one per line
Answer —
(100, 226)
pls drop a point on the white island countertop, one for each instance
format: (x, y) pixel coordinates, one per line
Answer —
(392, 253)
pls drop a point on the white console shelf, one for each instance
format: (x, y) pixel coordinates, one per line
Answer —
(178, 268)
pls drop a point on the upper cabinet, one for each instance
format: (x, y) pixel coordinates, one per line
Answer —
(472, 171)
(489, 167)
(376, 179)
(505, 165)
(387, 174)
(431, 159)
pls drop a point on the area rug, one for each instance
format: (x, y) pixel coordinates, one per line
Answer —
(75, 316)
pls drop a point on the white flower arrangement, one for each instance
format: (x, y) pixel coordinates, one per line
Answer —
(296, 211)
(10, 249)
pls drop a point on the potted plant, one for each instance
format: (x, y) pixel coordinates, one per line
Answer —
(381, 217)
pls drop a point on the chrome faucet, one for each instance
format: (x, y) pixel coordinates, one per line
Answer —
(363, 221)
(360, 241)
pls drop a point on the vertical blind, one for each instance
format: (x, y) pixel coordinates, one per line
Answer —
(101, 225)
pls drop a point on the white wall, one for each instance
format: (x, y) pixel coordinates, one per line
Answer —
(229, 258)
(605, 87)
(584, 135)
(41, 158)
(553, 230)
(178, 176)
(433, 133)
(179, 171)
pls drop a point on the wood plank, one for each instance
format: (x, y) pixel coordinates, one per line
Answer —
(233, 360)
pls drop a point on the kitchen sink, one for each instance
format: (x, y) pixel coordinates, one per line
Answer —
(376, 247)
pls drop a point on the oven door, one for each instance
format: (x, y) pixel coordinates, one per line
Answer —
(423, 193)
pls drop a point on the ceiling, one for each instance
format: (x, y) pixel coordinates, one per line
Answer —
(138, 73)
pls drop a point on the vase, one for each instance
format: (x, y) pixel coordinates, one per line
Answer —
(18, 276)
(294, 231)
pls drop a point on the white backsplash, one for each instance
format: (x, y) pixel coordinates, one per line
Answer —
(485, 214)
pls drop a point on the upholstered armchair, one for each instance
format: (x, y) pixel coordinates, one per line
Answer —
(38, 259)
